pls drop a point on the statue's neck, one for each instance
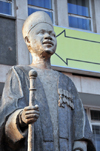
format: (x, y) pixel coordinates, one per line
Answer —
(40, 62)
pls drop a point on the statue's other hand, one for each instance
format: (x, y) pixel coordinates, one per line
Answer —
(30, 114)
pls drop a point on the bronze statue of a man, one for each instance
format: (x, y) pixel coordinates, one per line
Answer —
(60, 123)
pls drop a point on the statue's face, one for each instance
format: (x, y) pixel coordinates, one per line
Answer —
(42, 39)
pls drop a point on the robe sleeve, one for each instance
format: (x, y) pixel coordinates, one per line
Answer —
(12, 93)
(12, 129)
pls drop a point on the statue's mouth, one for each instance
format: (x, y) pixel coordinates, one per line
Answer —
(48, 43)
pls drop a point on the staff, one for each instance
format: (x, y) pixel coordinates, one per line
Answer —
(32, 77)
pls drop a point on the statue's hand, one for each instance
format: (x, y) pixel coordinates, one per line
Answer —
(80, 146)
(29, 115)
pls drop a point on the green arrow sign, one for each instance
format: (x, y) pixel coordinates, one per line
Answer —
(78, 49)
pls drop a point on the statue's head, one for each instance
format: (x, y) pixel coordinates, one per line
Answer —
(39, 34)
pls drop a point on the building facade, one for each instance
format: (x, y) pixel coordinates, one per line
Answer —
(80, 19)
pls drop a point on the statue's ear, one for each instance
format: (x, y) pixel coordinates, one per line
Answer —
(27, 41)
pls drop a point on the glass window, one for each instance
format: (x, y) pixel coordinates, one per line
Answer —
(95, 115)
(79, 23)
(79, 14)
(32, 10)
(79, 7)
(6, 7)
(96, 132)
(94, 119)
(40, 5)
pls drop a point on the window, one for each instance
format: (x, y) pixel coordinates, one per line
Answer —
(40, 5)
(79, 14)
(95, 122)
(94, 119)
(95, 115)
(6, 7)
(96, 132)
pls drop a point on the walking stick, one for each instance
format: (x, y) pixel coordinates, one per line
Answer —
(32, 77)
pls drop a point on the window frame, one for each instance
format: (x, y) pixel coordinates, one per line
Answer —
(88, 111)
(45, 9)
(83, 17)
(13, 10)
(92, 122)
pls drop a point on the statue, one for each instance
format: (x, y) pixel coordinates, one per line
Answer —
(60, 123)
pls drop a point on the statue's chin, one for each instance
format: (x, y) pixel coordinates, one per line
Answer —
(46, 54)
(49, 51)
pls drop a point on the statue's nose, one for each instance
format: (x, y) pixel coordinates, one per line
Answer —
(47, 36)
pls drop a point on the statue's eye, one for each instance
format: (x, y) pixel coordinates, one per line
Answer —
(41, 32)
(53, 35)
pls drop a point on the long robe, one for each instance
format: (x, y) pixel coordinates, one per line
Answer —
(69, 116)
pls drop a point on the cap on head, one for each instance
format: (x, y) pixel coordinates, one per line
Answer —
(33, 20)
